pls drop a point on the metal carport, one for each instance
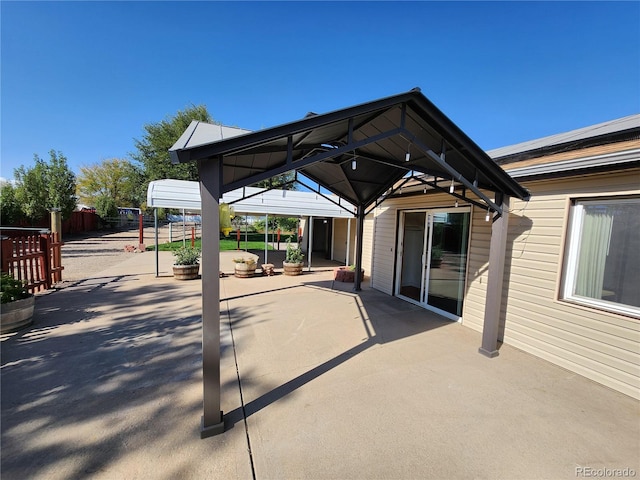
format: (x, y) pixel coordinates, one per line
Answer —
(183, 194)
(362, 154)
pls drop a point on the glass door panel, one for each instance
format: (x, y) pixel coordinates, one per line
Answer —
(448, 261)
(413, 247)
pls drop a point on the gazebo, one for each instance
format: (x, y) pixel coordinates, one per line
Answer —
(362, 154)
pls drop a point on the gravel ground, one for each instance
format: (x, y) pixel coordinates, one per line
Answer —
(85, 256)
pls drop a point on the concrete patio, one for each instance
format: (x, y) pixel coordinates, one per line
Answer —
(317, 382)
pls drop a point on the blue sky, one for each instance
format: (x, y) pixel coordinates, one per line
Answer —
(84, 78)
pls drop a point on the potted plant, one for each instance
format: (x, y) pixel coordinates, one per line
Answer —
(17, 304)
(293, 260)
(436, 257)
(244, 268)
(186, 266)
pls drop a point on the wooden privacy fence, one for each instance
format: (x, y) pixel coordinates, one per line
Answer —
(35, 259)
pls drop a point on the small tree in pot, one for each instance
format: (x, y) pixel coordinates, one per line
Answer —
(186, 266)
(293, 260)
(17, 304)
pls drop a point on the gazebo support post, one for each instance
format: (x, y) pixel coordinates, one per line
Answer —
(359, 236)
(493, 301)
(210, 173)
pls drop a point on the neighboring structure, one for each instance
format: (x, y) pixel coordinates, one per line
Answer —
(317, 212)
(571, 287)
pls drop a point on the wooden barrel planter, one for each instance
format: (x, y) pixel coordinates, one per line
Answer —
(292, 269)
(245, 270)
(17, 314)
(186, 272)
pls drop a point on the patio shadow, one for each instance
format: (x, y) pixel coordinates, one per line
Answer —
(384, 318)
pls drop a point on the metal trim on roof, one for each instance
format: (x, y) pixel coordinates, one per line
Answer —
(601, 130)
(623, 159)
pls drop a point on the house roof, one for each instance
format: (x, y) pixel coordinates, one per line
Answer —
(626, 128)
(376, 135)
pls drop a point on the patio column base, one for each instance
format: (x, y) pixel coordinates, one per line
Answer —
(210, 431)
(488, 353)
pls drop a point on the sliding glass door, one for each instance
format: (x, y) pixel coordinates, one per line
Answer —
(432, 259)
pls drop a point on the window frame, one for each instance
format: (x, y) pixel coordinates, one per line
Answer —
(572, 249)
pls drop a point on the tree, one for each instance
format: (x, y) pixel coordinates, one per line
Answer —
(281, 181)
(61, 185)
(115, 178)
(288, 224)
(31, 190)
(9, 207)
(46, 186)
(153, 148)
(106, 207)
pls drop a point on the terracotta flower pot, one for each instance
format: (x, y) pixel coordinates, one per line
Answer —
(345, 274)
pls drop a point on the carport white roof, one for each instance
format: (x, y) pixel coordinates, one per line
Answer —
(183, 194)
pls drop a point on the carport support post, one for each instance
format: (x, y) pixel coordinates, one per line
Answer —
(155, 226)
(493, 301)
(210, 172)
(348, 241)
(359, 236)
(266, 236)
(310, 243)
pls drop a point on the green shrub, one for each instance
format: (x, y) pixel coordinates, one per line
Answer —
(12, 289)
(187, 255)
(106, 207)
(294, 254)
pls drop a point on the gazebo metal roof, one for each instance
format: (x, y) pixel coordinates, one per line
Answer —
(376, 138)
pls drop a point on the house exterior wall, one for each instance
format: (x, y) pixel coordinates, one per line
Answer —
(599, 345)
(367, 244)
(340, 229)
(602, 346)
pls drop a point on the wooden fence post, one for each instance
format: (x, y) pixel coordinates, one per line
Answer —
(46, 260)
(6, 252)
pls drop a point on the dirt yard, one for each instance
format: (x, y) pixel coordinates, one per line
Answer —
(84, 256)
